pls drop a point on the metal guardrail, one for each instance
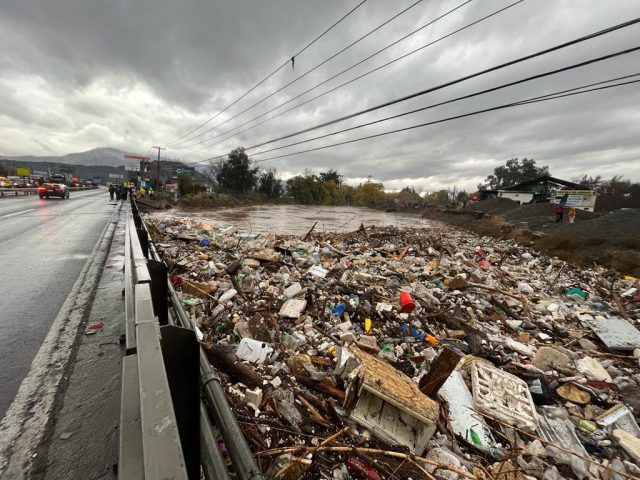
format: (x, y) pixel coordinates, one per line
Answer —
(213, 405)
(14, 192)
(159, 415)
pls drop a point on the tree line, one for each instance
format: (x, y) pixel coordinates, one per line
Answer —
(237, 175)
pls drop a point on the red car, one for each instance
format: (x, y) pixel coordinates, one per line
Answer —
(47, 190)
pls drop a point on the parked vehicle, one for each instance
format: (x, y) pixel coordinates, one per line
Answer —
(6, 182)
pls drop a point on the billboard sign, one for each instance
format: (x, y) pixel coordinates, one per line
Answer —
(23, 172)
(132, 168)
(191, 171)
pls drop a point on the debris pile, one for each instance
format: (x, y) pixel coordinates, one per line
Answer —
(414, 353)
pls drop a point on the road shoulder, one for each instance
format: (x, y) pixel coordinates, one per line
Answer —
(68, 405)
(83, 443)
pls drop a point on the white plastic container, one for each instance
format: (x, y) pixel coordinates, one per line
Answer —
(253, 351)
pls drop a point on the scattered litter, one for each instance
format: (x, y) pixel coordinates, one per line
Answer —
(385, 336)
(94, 327)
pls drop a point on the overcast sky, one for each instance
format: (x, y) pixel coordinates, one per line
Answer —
(81, 74)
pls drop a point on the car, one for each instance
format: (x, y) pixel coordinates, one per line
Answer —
(54, 187)
(6, 182)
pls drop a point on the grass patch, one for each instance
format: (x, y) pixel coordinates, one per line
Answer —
(205, 201)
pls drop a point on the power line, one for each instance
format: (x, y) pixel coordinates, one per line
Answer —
(389, 20)
(346, 70)
(456, 81)
(465, 97)
(272, 73)
(447, 84)
(542, 98)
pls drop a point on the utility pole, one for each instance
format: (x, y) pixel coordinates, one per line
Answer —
(158, 169)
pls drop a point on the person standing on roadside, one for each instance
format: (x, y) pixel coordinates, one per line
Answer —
(571, 215)
(112, 190)
(559, 212)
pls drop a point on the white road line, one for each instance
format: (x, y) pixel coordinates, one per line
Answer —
(17, 213)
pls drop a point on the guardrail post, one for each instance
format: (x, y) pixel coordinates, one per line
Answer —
(143, 236)
(180, 351)
(159, 290)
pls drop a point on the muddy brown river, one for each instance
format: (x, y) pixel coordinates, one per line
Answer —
(298, 219)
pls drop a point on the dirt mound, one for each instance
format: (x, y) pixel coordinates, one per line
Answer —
(493, 206)
(614, 226)
(537, 215)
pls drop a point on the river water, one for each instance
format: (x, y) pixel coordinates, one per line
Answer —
(298, 219)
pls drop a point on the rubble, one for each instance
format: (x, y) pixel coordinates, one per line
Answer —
(413, 353)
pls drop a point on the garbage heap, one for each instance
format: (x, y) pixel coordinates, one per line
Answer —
(413, 353)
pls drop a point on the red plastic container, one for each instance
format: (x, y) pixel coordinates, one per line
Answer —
(406, 302)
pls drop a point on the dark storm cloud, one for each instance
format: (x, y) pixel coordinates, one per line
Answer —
(77, 74)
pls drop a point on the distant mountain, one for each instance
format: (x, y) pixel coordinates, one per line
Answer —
(105, 156)
(103, 162)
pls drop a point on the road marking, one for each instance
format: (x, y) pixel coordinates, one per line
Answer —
(17, 213)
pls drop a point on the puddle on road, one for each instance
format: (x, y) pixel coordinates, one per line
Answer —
(298, 219)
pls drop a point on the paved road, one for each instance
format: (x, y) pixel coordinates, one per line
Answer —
(43, 246)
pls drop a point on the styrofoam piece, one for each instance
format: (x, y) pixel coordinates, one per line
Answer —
(292, 308)
(318, 271)
(616, 333)
(629, 443)
(293, 290)
(504, 396)
(462, 414)
(253, 351)
(620, 417)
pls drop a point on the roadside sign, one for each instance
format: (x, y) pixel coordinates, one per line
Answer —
(67, 169)
(96, 179)
(188, 170)
(116, 175)
(132, 168)
(23, 172)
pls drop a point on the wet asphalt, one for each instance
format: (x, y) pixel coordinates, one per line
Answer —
(44, 245)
